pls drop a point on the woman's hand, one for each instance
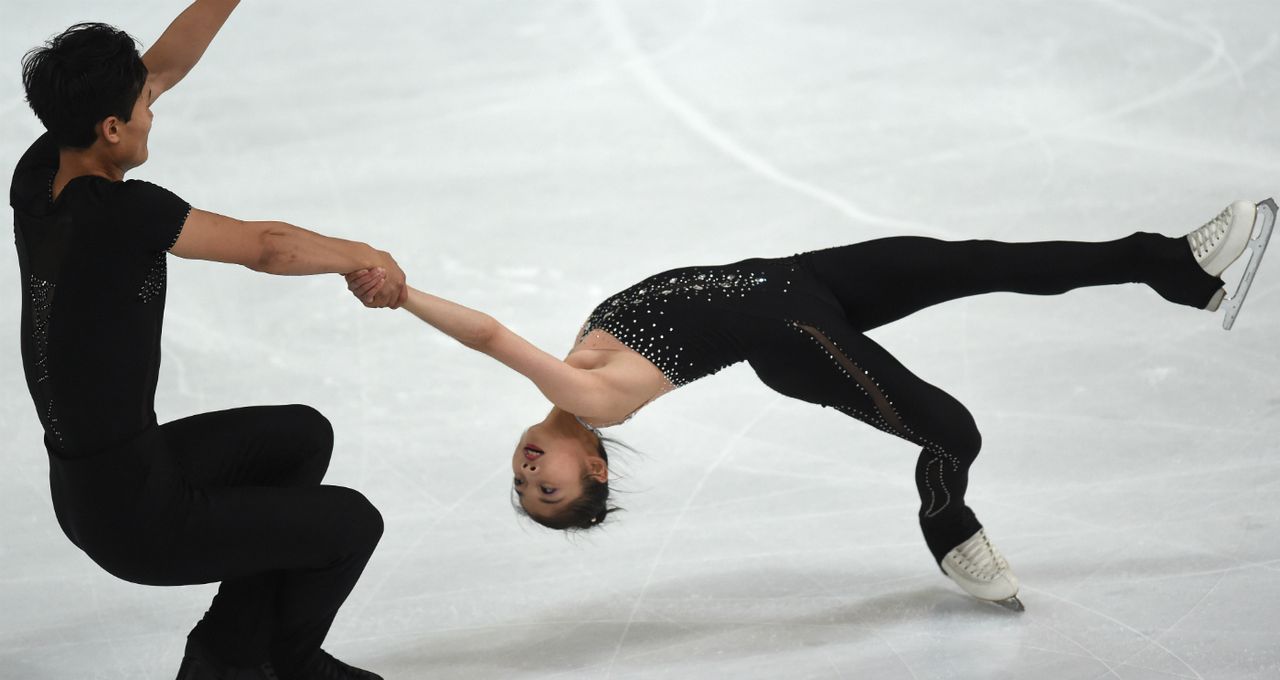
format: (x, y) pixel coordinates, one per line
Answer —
(366, 283)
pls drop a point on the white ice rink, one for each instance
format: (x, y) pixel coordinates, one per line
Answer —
(530, 157)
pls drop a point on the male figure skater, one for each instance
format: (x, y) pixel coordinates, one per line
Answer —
(233, 496)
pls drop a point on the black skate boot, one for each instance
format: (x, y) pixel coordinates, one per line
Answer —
(325, 667)
(199, 663)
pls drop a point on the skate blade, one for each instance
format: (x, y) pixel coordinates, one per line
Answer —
(1264, 223)
(1013, 604)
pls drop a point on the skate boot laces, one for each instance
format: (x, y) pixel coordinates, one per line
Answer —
(979, 559)
(1206, 238)
(980, 570)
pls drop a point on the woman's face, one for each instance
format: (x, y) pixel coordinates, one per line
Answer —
(548, 468)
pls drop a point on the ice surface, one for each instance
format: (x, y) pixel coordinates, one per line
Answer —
(529, 158)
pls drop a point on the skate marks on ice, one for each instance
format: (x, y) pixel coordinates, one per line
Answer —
(641, 67)
(1150, 641)
(725, 452)
(1198, 35)
(1263, 225)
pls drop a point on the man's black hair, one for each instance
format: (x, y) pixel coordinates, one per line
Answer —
(80, 77)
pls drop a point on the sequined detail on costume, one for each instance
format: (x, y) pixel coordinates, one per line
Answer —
(51, 423)
(40, 293)
(178, 233)
(153, 284)
(637, 316)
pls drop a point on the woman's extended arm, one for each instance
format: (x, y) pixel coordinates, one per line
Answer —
(182, 44)
(579, 391)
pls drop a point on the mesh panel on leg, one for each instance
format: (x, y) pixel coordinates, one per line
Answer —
(869, 386)
(933, 474)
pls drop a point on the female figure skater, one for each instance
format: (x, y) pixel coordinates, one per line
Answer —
(800, 322)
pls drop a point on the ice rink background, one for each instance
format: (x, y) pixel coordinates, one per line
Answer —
(530, 158)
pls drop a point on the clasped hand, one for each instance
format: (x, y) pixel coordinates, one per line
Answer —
(379, 286)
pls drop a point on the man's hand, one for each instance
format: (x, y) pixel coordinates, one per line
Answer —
(393, 291)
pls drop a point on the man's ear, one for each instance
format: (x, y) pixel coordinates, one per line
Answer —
(109, 129)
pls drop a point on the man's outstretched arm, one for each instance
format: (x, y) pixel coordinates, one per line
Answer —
(280, 248)
(184, 42)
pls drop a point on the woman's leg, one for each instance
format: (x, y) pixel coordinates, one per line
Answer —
(836, 366)
(880, 281)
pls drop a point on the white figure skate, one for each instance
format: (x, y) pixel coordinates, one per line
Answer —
(980, 570)
(1224, 239)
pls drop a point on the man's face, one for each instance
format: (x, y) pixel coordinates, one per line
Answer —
(131, 149)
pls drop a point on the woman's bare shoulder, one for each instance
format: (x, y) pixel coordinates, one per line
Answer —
(632, 380)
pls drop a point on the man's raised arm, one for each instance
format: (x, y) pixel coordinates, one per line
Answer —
(184, 42)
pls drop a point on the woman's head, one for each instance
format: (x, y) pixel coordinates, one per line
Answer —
(82, 77)
(561, 474)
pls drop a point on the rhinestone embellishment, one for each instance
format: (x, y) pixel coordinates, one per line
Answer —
(636, 316)
(41, 295)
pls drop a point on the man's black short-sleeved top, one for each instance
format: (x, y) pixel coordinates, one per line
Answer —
(93, 291)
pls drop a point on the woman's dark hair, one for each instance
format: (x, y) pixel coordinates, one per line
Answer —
(590, 509)
(80, 77)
